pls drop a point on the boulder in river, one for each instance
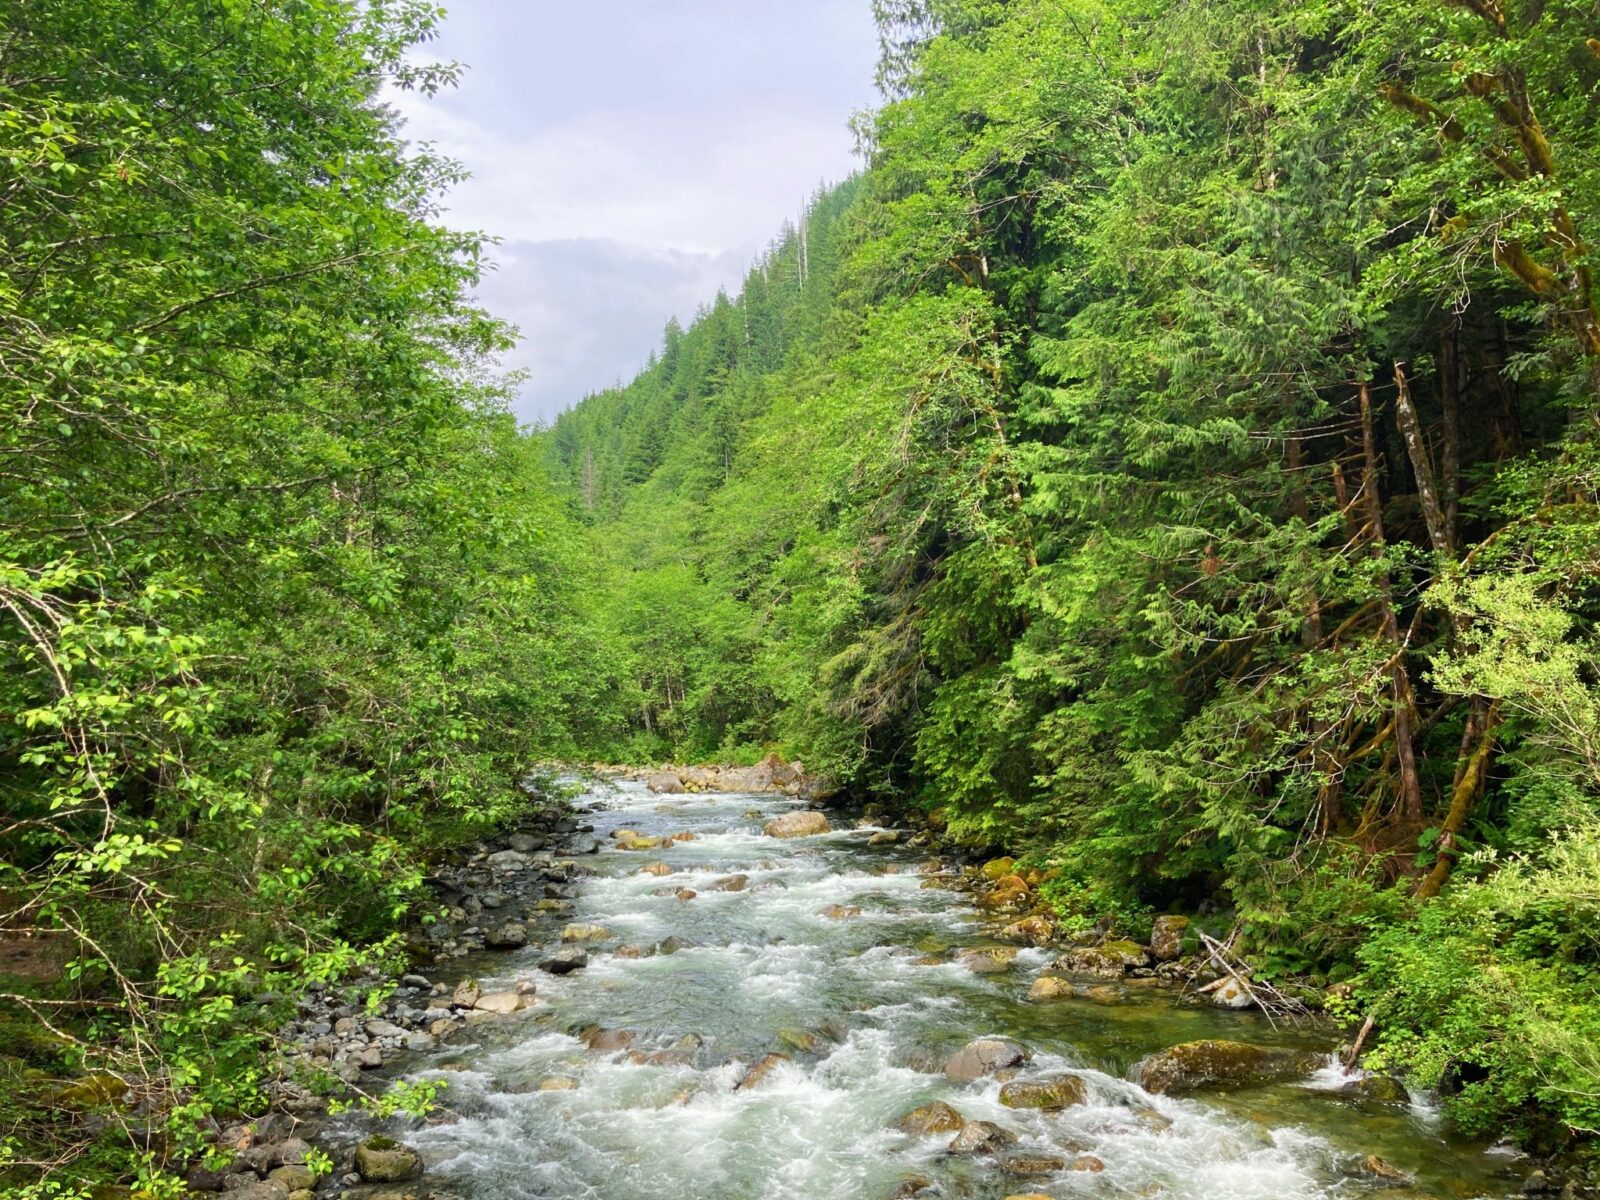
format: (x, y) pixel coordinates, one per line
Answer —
(759, 1070)
(507, 937)
(658, 869)
(804, 822)
(609, 1041)
(1050, 987)
(384, 1160)
(981, 1137)
(985, 1056)
(1027, 1165)
(925, 1119)
(665, 783)
(564, 962)
(729, 883)
(1192, 1066)
(504, 1003)
(993, 960)
(1058, 1091)
(841, 912)
(585, 932)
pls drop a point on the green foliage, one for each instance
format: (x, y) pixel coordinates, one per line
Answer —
(286, 599)
(1180, 464)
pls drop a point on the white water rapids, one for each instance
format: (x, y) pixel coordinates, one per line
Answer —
(867, 1022)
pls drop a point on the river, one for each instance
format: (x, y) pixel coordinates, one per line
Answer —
(866, 1008)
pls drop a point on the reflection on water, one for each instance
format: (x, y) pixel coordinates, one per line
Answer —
(865, 1020)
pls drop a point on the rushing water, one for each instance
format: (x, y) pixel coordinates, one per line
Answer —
(866, 1019)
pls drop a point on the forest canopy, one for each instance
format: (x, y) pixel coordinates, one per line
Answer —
(1172, 458)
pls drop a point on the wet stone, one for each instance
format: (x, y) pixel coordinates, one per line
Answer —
(981, 1137)
(983, 1057)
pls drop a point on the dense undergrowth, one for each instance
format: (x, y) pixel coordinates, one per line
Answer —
(285, 599)
(1176, 454)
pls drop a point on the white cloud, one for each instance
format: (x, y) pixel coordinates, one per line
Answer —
(634, 156)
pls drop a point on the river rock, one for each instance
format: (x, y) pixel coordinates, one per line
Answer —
(937, 1117)
(503, 1003)
(985, 1056)
(998, 868)
(1109, 959)
(1033, 931)
(1049, 987)
(558, 1083)
(295, 1177)
(1381, 1089)
(583, 932)
(1008, 890)
(564, 962)
(1232, 994)
(981, 1137)
(665, 783)
(887, 837)
(1380, 1169)
(1059, 1091)
(1027, 1165)
(841, 912)
(466, 993)
(508, 937)
(1166, 937)
(384, 1160)
(609, 1041)
(508, 860)
(804, 822)
(257, 1189)
(1192, 1066)
(658, 869)
(759, 1070)
(730, 883)
(383, 1029)
(992, 961)
(1086, 1162)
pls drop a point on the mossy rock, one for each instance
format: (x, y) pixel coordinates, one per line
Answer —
(1062, 1091)
(997, 868)
(99, 1089)
(1194, 1066)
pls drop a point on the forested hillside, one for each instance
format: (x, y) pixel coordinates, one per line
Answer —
(1175, 456)
(284, 598)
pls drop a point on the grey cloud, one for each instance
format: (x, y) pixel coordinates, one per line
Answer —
(591, 311)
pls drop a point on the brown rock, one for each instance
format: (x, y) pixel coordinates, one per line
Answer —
(1166, 937)
(1060, 1091)
(1192, 1066)
(1048, 987)
(987, 962)
(1032, 1164)
(985, 1056)
(1033, 931)
(759, 1070)
(981, 1137)
(937, 1117)
(803, 822)
(609, 1041)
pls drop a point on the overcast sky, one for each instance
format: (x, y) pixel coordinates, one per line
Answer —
(633, 156)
